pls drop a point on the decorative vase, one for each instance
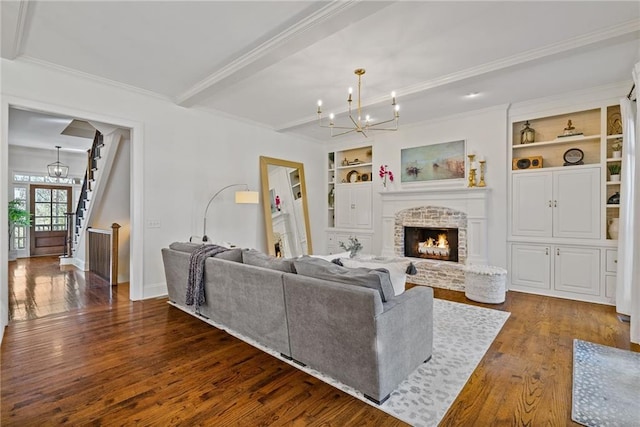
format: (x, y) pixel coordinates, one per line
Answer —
(614, 178)
(614, 224)
(527, 134)
(617, 154)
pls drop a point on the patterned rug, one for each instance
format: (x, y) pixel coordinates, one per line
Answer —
(461, 336)
(606, 385)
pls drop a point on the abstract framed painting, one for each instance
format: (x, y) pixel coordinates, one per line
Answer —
(434, 162)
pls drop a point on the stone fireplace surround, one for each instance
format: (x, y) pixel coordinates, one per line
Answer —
(464, 208)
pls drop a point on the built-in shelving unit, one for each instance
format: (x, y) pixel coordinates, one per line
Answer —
(560, 216)
(349, 196)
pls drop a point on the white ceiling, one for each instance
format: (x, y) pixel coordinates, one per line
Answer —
(268, 62)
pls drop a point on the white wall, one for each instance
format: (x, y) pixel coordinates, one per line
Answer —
(485, 132)
(185, 157)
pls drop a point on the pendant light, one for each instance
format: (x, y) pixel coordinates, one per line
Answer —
(57, 169)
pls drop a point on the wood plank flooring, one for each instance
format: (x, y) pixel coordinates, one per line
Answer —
(148, 363)
(39, 286)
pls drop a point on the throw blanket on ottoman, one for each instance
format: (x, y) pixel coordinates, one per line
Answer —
(195, 282)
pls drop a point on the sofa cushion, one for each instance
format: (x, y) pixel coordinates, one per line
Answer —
(188, 247)
(260, 259)
(184, 246)
(377, 279)
(332, 257)
(234, 254)
(397, 268)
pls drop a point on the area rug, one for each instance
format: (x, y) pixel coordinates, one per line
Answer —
(462, 335)
(606, 385)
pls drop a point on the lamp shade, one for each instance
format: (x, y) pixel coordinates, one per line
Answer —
(250, 197)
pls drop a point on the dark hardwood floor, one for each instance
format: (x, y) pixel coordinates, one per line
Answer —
(39, 287)
(148, 363)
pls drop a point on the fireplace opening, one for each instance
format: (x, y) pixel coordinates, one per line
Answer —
(431, 243)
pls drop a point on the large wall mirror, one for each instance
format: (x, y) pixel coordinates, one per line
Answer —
(284, 197)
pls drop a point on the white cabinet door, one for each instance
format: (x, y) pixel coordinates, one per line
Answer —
(343, 206)
(577, 270)
(564, 203)
(361, 198)
(576, 203)
(531, 266)
(531, 202)
(353, 206)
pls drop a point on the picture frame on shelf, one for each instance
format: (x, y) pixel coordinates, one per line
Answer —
(435, 162)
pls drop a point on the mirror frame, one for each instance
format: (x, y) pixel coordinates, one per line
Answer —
(265, 162)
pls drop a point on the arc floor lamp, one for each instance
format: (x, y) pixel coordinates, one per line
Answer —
(245, 196)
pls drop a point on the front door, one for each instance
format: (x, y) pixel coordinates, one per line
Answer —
(49, 229)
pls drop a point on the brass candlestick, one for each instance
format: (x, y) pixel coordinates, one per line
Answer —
(482, 165)
(472, 171)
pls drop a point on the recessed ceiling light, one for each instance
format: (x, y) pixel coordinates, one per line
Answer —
(472, 94)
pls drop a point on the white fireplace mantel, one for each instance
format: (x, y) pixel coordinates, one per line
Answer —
(472, 201)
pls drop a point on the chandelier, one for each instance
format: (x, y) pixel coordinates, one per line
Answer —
(359, 123)
(57, 169)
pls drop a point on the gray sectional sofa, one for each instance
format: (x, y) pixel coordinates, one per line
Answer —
(356, 333)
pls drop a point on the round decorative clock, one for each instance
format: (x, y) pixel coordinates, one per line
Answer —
(573, 156)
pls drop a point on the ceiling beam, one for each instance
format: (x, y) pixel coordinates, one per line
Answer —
(630, 28)
(331, 18)
(14, 15)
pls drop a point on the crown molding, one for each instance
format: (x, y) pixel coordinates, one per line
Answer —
(575, 100)
(272, 45)
(528, 56)
(93, 77)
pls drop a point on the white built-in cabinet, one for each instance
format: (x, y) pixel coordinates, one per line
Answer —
(353, 205)
(559, 243)
(350, 198)
(562, 203)
(556, 269)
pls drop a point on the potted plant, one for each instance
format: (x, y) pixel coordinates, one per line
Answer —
(616, 148)
(17, 217)
(354, 246)
(614, 172)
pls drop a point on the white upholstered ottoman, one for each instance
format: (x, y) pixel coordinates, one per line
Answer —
(485, 283)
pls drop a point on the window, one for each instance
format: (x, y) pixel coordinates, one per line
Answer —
(37, 178)
(19, 231)
(50, 206)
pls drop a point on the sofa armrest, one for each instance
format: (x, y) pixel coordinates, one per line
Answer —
(405, 329)
(347, 332)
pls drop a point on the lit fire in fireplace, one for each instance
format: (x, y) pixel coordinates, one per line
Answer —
(433, 247)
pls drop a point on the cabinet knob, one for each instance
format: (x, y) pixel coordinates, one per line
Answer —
(558, 251)
(555, 203)
(546, 251)
(353, 206)
(549, 203)
(615, 261)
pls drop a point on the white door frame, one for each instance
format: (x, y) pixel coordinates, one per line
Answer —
(136, 207)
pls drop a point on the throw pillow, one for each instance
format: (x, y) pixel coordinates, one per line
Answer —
(397, 268)
(377, 279)
(259, 259)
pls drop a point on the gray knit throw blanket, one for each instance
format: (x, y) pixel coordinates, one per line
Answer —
(195, 283)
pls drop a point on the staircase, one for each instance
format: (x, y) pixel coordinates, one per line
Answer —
(99, 163)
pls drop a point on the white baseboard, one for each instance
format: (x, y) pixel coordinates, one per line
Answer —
(156, 290)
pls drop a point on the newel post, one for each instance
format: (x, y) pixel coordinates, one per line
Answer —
(114, 253)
